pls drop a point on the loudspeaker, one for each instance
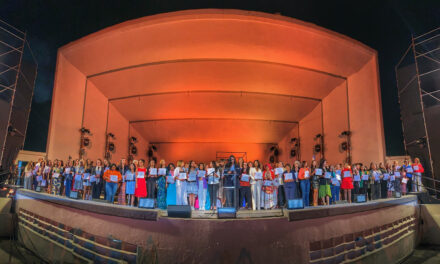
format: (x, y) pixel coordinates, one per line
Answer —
(38, 189)
(295, 204)
(360, 198)
(397, 194)
(179, 211)
(146, 203)
(226, 212)
(74, 195)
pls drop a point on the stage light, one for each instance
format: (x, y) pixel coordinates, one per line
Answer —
(150, 153)
(111, 146)
(293, 152)
(86, 142)
(133, 139)
(133, 150)
(84, 130)
(154, 147)
(271, 159)
(421, 142)
(317, 148)
(344, 146)
(293, 140)
(318, 136)
(276, 152)
(345, 133)
(111, 135)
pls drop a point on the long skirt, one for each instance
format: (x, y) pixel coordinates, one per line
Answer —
(181, 195)
(171, 194)
(55, 187)
(268, 197)
(121, 195)
(141, 190)
(161, 193)
(28, 182)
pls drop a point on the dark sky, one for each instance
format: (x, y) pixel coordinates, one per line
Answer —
(385, 25)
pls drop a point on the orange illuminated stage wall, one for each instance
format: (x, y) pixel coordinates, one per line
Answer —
(202, 82)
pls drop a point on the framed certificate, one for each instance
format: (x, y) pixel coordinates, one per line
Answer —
(170, 179)
(279, 171)
(397, 174)
(328, 175)
(201, 173)
(114, 178)
(211, 171)
(182, 176)
(258, 175)
(335, 181)
(55, 175)
(338, 172)
(318, 172)
(357, 178)
(288, 176)
(392, 178)
(245, 177)
(347, 174)
(129, 176)
(377, 177)
(267, 183)
(386, 176)
(67, 170)
(153, 171)
(93, 178)
(409, 169)
(192, 176)
(365, 177)
(86, 176)
(140, 174)
(78, 177)
(307, 174)
(404, 180)
(162, 171)
(416, 168)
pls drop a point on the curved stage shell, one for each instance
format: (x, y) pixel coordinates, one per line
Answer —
(383, 231)
(202, 83)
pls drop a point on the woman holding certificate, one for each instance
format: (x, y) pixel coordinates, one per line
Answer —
(245, 187)
(112, 177)
(281, 195)
(130, 183)
(151, 179)
(315, 173)
(324, 182)
(213, 183)
(171, 185)
(180, 176)
(192, 187)
(141, 185)
(268, 188)
(231, 171)
(202, 186)
(417, 180)
(256, 184)
(304, 178)
(289, 183)
(161, 186)
(375, 175)
(347, 182)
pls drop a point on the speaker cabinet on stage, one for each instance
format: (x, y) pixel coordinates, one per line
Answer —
(295, 204)
(179, 211)
(226, 212)
(360, 198)
(146, 203)
(397, 194)
(74, 195)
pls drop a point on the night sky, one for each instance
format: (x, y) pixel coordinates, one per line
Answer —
(384, 25)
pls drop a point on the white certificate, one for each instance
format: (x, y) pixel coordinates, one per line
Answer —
(67, 170)
(86, 176)
(328, 175)
(409, 169)
(153, 171)
(140, 174)
(170, 179)
(357, 177)
(416, 168)
(129, 176)
(397, 174)
(258, 175)
(392, 178)
(335, 181)
(182, 176)
(386, 176)
(93, 178)
(78, 177)
(39, 178)
(162, 171)
(55, 175)
(307, 174)
(192, 176)
(279, 171)
(245, 177)
(114, 178)
(404, 180)
(346, 174)
(201, 173)
(211, 171)
(365, 177)
(288, 176)
(43, 183)
(267, 183)
(318, 172)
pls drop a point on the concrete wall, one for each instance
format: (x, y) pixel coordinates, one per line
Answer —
(66, 115)
(368, 141)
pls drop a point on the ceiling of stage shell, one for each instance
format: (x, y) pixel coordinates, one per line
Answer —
(216, 75)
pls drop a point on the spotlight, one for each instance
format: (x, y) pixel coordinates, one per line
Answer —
(111, 146)
(345, 133)
(133, 139)
(154, 147)
(293, 152)
(318, 136)
(272, 159)
(421, 142)
(133, 150)
(276, 152)
(344, 146)
(111, 135)
(86, 142)
(317, 148)
(272, 148)
(85, 130)
(293, 140)
(150, 153)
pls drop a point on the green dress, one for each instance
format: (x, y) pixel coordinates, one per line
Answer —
(161, 193)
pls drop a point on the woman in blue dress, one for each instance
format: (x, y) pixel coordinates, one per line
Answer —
(171, 185)
(130, 183)
(161, 186)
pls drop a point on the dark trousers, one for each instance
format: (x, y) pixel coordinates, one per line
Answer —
(357, 188)
(213, 193)
(68, 187)
(96, 190)
(245, 193)
(281, 196)
(409, 185)
(383, 189)
(229, 195)
(151, 188)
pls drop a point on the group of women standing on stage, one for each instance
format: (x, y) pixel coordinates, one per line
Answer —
(224, 183)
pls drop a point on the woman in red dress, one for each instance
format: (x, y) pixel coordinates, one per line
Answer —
(141, 185)
(347, 182)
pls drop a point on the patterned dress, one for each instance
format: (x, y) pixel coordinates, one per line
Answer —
(161, 193)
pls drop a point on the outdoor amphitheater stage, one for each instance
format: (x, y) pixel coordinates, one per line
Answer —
(67, 230)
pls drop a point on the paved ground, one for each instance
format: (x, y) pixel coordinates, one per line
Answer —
(11, 252)
(424, 255)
